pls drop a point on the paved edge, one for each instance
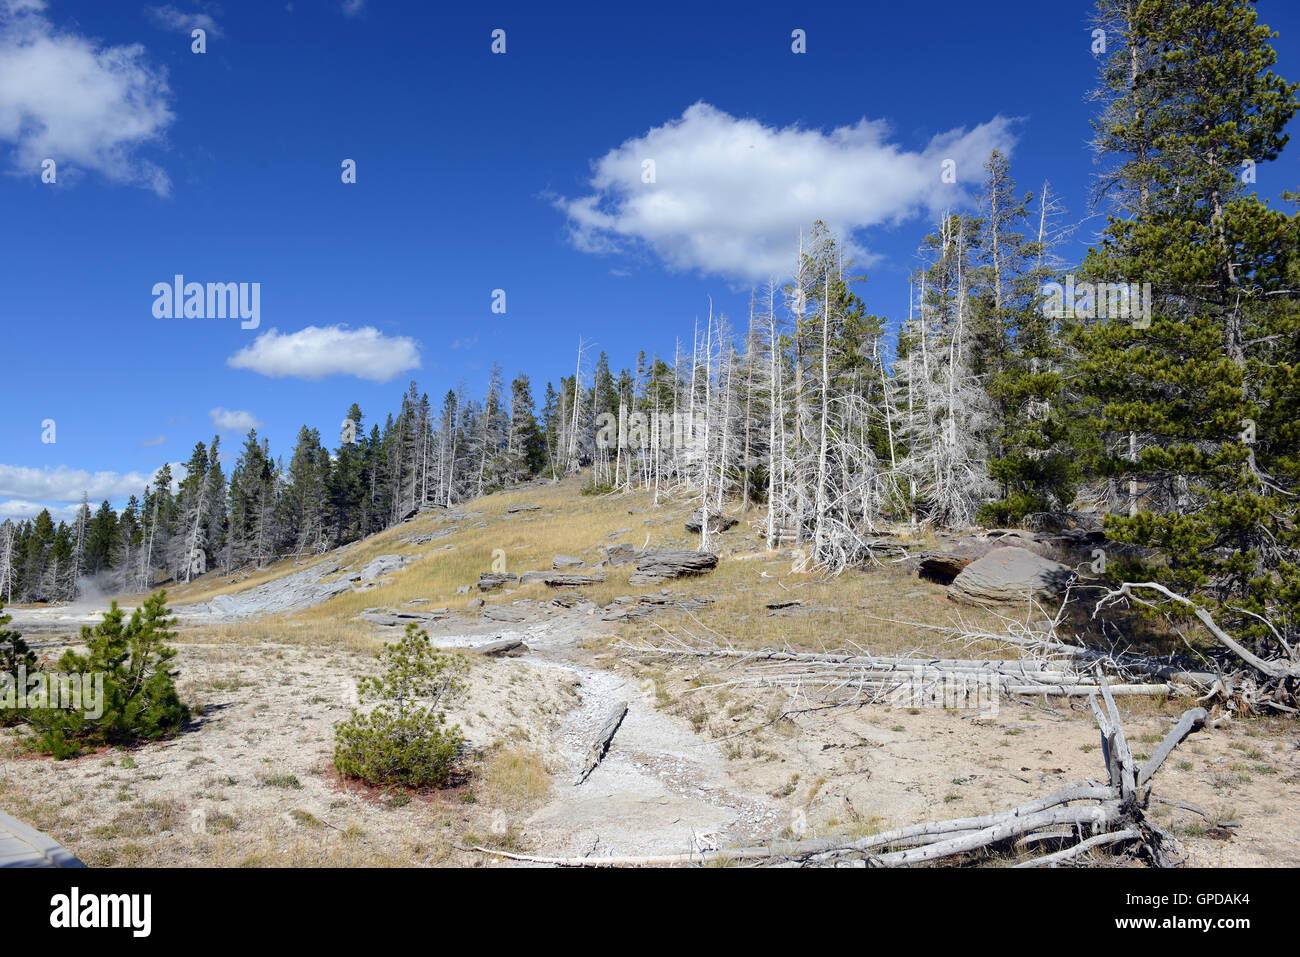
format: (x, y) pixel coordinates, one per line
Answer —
(48, 852)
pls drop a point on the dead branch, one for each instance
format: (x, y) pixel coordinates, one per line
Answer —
(1092, 815)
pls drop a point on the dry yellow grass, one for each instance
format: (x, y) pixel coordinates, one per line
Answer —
(870, 608)
(264, 667)
(516, 778)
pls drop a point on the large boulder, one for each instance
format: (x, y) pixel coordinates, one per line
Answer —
(621, 554)
(1010, 574)
(655, 567)
(1021, 538)
(385, 564)
(718, 522)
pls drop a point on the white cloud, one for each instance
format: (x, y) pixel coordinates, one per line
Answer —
(169, 18)
(319, 351)
(18, 509)
(63, 484)
(233, 420)
(731, 195)
(67, 98)
(37, 489)
(353, 8)
(156, 440)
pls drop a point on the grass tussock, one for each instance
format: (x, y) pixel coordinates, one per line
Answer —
(516, 778)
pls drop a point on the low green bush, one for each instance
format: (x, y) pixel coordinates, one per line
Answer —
(404, 740)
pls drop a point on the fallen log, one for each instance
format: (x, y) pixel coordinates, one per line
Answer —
(1114, 813)
(599, 747)
(1097, 840)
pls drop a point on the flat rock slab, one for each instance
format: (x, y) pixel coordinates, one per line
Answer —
(299, 590)
(506, 613)
(628, 607)
(564, 562)
(505, 648)
(622, 554)
(24, 846)
(384, 564)
(488, 581)
(655, 567)
(572, 579)
(425, 537)
(1010, 574)
(396, 618)
(563, 579)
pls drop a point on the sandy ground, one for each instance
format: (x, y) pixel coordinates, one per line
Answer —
(691, 767)
(660, 790)
(252, 782)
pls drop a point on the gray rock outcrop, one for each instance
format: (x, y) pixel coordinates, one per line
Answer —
(1010, 574)
(655, 567)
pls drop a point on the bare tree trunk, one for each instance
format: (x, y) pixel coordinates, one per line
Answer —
(819, 532)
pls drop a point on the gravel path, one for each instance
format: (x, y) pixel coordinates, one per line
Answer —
(661, 788)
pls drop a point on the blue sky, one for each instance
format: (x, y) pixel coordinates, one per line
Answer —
(475, 172)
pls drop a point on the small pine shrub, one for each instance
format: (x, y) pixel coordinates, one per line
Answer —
(404, 740)
(140, 702)
(1010, 511)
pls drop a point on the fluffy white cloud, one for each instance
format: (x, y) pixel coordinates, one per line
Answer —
(63, 484)
(18, 509)
(319, 351)
(731, 195)
(169, 18)
(353, 8)
(233, 420)
(86, 106)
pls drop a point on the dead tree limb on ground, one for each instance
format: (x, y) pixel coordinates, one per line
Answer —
(1272, 682)
(1077, 820)
(601, 744)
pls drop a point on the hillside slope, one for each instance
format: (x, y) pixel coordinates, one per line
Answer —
(694, 765)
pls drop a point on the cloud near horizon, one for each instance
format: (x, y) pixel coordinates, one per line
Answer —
(27, 490)
(731, 195)
(319, 351)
